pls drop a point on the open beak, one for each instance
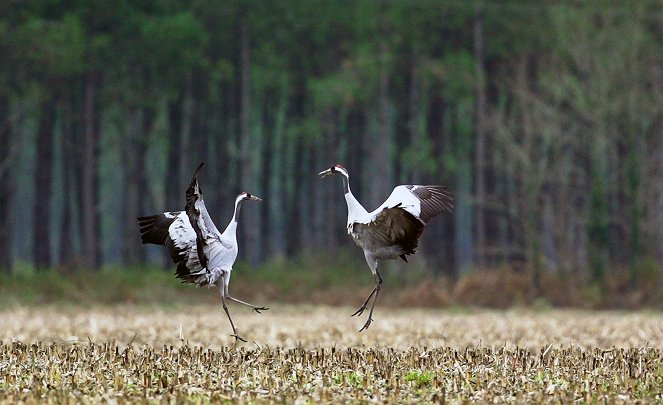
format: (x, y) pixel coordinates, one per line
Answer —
(255, 198)
(325, 173)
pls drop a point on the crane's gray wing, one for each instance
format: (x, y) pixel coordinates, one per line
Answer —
(174, 230)
(393, 227)
(199, 218)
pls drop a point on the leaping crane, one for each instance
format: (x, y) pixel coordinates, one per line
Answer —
(204, 256)
(394, 228)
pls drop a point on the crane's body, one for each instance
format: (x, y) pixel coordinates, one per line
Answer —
(204, 256)
(394, 228)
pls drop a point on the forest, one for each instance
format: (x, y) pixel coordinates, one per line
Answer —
(545, 119)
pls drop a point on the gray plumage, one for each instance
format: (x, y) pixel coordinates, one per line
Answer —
(393, 229)
(204, 256)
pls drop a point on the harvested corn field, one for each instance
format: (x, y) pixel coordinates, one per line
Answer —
(315, 354)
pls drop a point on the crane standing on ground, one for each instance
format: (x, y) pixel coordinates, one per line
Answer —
(204, 256)
(394, 228)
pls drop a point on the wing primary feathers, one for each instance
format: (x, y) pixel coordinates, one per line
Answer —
(434, 200)
(154, 228)
(193, 194)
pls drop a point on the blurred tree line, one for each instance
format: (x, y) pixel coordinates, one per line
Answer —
(544, 118)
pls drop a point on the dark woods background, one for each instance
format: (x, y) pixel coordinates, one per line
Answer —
(545, 119)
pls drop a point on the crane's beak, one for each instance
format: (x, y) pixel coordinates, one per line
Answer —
(255, 198)
(325, 173)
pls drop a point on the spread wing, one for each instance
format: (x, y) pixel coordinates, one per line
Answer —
(433, 200)
(173, 230)
(401, 219)
(154, 228)
(199, 218)
(424, 202)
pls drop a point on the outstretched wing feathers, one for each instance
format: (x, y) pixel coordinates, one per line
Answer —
(199, 217)
(154, 228)
(424, 202)
(174, 230)
(191, 237)
(401, 219)
(433, 200)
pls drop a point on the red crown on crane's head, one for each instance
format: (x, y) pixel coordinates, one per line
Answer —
(248, 196)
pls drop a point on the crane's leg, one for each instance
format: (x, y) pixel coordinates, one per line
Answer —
(226, 281)
(222, 290)
(254, 307)
(373, 264)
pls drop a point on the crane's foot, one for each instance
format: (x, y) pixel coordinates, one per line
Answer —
(367, 324)
(359, 311)
(238, 337)
(258, 309)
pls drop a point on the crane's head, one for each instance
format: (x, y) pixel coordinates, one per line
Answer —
(336, 169)
(243, 196)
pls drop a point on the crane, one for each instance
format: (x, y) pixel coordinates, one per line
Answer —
(204, 256)
(394, 228)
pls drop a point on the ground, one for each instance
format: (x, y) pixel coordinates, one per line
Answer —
(313, 354)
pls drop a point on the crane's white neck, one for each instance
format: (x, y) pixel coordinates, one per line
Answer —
(355, 209)
(231, 229)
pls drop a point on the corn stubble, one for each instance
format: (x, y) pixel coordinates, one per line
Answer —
(443, 368)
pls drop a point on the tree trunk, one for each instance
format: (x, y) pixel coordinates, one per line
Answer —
(480, 153)
(415, 130)
(330, 194)
(277, 192)
(295, 209)
(174, 192)
(68, 157)
(250, 225)
(5, 184)
(43, 185)
(381, 175)
(136, 188)
(90, 174)
(445, 257)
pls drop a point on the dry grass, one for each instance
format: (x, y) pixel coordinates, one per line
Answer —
(63, 354)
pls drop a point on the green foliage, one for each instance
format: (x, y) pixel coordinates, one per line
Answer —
(572, 116)
(420, 378)
(173, 43)
(109, 286)
(53, 48)
(356, 379)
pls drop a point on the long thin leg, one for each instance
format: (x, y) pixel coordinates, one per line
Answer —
(363, 307)
(254, 307)
(378, 282)
(225, 308)
(373, 264)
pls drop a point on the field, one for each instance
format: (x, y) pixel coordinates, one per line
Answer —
(60, 354)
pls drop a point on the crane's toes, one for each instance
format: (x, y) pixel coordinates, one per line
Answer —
(238, 337)
(359, 311)
(366, 325)
(260, 309)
